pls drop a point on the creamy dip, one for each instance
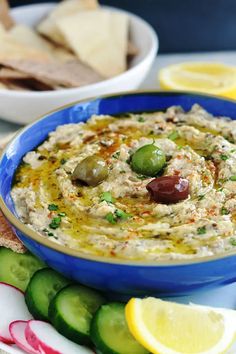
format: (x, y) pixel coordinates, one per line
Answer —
(117, 217)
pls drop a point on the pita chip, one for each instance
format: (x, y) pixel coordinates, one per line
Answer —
(26, 36)
(8, 238)
(66, 8)
(101, 39)
(10, 48)
(5, 17)
(6, 73)
(69, 74)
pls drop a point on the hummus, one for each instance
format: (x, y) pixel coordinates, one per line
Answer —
(117, 217)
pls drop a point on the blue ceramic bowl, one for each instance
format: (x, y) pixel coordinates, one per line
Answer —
(114, 276)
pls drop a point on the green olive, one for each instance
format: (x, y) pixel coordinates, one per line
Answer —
(148, 160)
(92, 170)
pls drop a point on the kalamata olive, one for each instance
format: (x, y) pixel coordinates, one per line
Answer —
(168, 189)
(92, 170)
(148, 160)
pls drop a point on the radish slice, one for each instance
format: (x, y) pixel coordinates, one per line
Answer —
(44, 338)
(12, 308)
(17, 330)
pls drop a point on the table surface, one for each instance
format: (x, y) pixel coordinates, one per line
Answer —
(226, 295)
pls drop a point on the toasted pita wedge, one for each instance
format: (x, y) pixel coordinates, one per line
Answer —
(8, 238)
(101, 39)
(28, 37)
(132, 50)
(6, 73)
(69, 74)
(66, 8)
(5, 17)
(10, 48)
(16, 85)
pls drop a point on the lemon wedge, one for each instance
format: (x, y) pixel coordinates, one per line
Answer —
(212, 78)
(169, 328)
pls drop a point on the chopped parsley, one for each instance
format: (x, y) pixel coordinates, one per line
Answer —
(232, 241)
(62, 214)
(53, 207)
(200, 197)
(116, 155)
(63, 161)
(224, 211)
(55, 223)
(111, 218)
(107, 197)
(151, 132)
(141, 120)
(50, 234)
(173, 135)
(224, 157)
(201, 230)
(118, 215)
(232, 178)
(122, 214)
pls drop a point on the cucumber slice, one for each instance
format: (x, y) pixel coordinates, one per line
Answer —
(16, 269)
(71, 312)
(43, 286)
(110, 334)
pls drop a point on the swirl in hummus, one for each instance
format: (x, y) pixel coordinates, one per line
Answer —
(115, 215)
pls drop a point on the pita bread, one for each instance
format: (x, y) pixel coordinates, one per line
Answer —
(69, 74)
(6, 73)
(8, 238)
(5, 17)
(100, 41)
(28, 37)
(132, 50)
(66, 8)
(10, 48)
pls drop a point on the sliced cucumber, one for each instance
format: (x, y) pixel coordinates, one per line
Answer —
(16, 269)
(110, 334)
(71, 312)
(43, 286)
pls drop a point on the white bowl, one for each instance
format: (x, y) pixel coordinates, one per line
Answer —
(24, 106)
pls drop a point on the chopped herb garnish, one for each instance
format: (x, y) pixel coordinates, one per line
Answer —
(200, 197)
(50, 234)
(173, 135)
(122, 214)
(53, 207)
(141, 119)
(232, 178)
(107, 197)
(55, 223)
(62, 214)
(201, 230)
(45, 230)
(224, 157)
(63, 161)
(122, 171)
(116, 155)
(232, 241)
(111, 218)
(224, 211)
(151, 132)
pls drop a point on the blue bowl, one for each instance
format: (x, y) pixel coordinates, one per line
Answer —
(114, 276)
